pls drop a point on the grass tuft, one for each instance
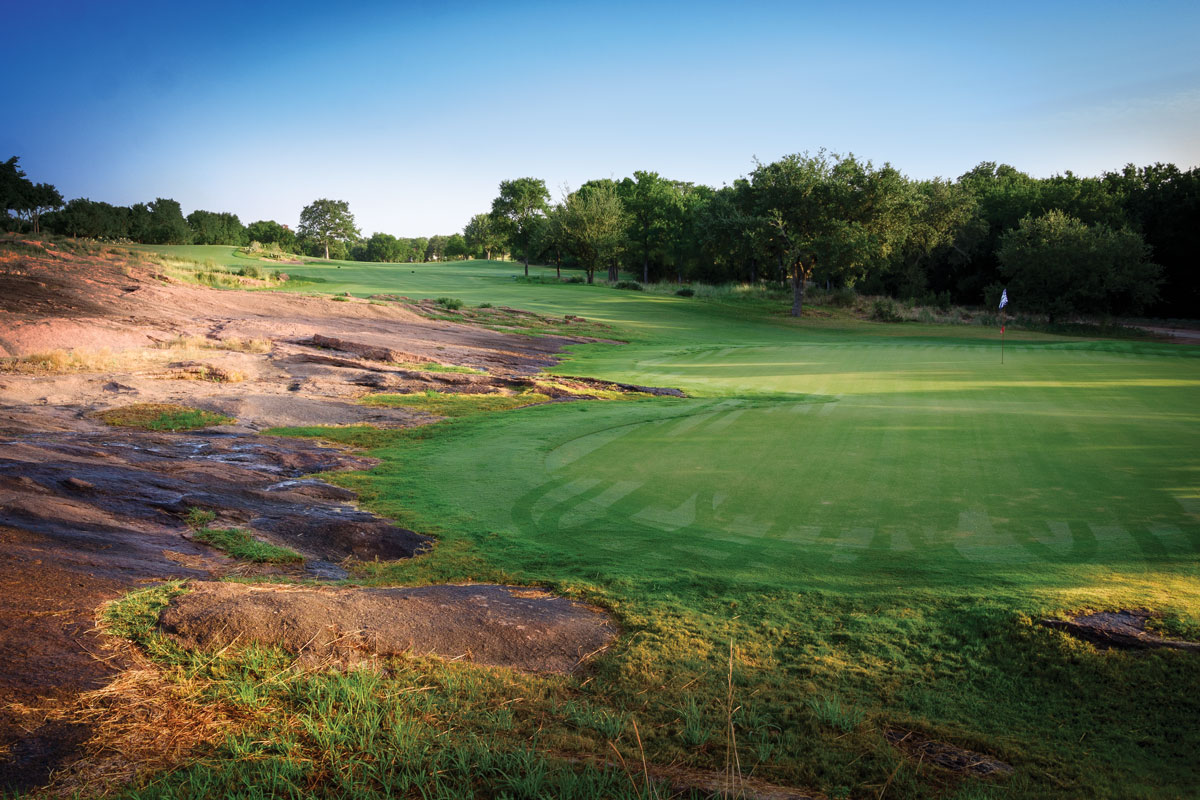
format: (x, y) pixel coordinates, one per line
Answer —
(161, 417)
(241, 545)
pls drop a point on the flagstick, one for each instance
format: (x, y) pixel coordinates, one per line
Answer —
(1002, 318)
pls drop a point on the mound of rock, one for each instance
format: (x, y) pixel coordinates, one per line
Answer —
(529, 629)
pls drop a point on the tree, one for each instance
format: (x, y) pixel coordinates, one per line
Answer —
(164, 223)
(456, 247)
(593, 223)
(328, 221)
(211, 227)
(519, 202)
(268, 231)
(1057, 265)
(384, 248)
(649, 201)
(483, 235)
(831, 212)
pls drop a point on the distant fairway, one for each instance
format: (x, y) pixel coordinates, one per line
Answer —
(876, 512)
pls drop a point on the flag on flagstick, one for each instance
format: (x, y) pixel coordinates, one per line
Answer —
(1004, 298)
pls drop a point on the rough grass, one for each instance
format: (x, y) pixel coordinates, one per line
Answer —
(161, 417)
(455, 405)
(241, 545)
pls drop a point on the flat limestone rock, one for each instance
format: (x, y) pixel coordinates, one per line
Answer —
(528, 629)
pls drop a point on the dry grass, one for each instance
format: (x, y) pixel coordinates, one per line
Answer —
(60, 361)
(233, 343)
(143, 722)
(206, 372)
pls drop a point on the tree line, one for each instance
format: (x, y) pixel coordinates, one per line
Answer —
(1120, 243)
(326, 226)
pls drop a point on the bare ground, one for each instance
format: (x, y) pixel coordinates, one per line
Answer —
(88, 512)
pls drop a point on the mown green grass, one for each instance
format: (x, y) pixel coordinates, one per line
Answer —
(875, 515)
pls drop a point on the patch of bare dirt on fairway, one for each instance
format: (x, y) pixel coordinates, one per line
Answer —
(502, 626)
(1124, 630)
(946, 755)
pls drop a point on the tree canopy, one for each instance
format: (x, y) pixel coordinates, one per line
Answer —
(327, 222)
(514, 210)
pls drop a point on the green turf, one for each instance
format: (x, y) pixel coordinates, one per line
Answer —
(874, 514)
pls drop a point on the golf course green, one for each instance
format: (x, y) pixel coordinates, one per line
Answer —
(873, 517)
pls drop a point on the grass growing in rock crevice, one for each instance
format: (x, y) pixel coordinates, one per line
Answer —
(161, 417)
(241, 545)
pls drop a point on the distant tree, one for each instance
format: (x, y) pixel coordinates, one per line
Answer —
(1162, 202)
(268, 231)
(165, 223)
(435, 249)
(456, 247)
(1057, 265)
(385, 248)
(27, 200)
(210, 227)
(519, 202)
(831, 212)
(39, 199)
(83, 218)
(326, 222)
(650, 202)
(593, 223)
(416, 249)
(483, 235)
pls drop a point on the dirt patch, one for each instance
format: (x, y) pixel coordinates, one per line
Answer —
(945, 755)
(493, 625)
(1118, 629)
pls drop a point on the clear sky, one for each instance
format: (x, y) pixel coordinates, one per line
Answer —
(414, 112)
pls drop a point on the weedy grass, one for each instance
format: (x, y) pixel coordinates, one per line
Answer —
(239, 544)
(161, 417)
(455, 405)
(432, 366)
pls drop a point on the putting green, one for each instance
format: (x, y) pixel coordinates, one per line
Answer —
(854, 456)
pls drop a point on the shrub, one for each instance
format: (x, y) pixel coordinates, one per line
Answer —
(633, 285)
(573, 279)
(485, 305)
(884, 310)
(843, 297)
(451, 303)
(686, 291)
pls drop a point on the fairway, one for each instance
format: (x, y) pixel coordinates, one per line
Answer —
(873, 512)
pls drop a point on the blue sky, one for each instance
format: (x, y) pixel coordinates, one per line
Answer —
(414, 112)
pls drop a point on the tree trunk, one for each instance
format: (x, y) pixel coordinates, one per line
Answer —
(327, 251)
(526, 263)
(591, 272)
(797, 291)
(754, 270)
(646, 267)
(612, 272)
